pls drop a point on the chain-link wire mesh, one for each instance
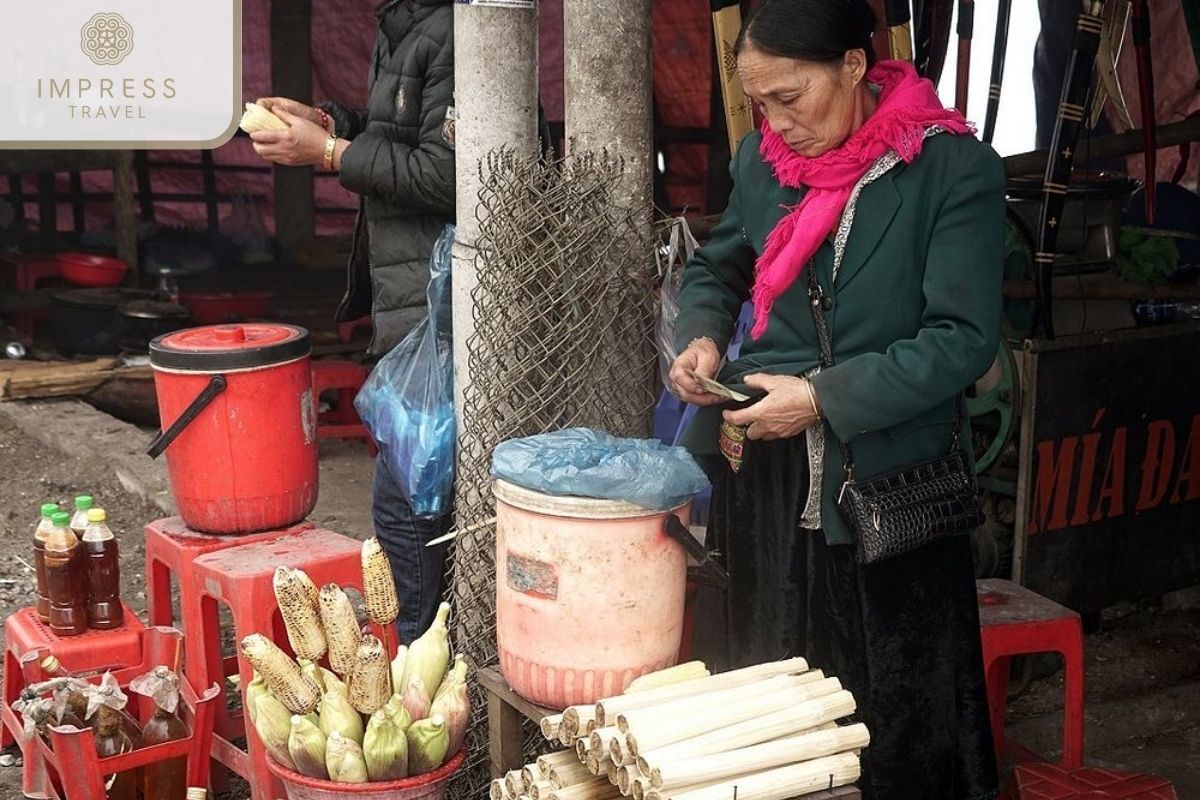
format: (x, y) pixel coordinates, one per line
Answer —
(564, 326)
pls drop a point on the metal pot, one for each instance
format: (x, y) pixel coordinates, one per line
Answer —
(140, 321)
(84, 320)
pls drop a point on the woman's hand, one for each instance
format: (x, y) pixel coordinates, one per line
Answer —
(701, 357)
(293, 107)
(786, 411)
(303, 143)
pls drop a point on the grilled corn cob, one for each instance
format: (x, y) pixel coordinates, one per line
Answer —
(379, 590)
(341, 628)
(299, 613)
(370, 681)
(665, 677)
(298, 693)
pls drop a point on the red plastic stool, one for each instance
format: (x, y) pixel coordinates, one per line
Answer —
(24, 272)
(347, 377)
(1050, 782)
(1016, 621)
(242, 578)
(91, 652)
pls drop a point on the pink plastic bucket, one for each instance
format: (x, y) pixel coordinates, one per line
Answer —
(429, 786)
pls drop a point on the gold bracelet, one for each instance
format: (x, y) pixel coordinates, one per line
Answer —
(330, 144)
(812, 398)
(702, 339)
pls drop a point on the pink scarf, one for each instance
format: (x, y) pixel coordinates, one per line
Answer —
(908, 105)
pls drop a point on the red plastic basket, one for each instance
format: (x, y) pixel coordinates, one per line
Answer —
(428, 786)
(86, 269)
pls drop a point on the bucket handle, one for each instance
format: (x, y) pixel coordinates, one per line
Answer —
(708, 567)
(163, 440)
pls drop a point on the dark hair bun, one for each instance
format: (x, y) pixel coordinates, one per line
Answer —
(810, 30)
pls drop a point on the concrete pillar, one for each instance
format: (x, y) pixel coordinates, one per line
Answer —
(496, 102)
(608, 86)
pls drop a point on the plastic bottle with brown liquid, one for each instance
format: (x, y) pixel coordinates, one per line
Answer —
(103, 568)
(164, 779)
(64, 580)
(44, 526)
(79, 519)
(111, 740)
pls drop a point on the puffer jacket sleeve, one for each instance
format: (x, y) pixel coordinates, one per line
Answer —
(347, 122)
(420, 178)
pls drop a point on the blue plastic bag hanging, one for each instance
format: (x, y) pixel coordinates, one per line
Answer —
(582, 462)
(407, 403)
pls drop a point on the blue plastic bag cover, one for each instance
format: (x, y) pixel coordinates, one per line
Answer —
(407, 403)
(581, 462)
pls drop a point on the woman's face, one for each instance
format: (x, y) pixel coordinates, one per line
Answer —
(813, 106)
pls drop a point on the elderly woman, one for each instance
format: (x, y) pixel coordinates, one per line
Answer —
(861, 179)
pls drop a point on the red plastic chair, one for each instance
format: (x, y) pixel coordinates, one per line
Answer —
(91, 652)
(242, 578)
(1051, 782)
(346, 378)
(1016, 621)
(24, 273)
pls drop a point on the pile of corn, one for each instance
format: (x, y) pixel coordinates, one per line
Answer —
(363, 718)
(768, 732)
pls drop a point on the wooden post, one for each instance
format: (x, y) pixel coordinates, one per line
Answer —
(291, 76)
(124, 215)
(47, 210)
(505, 737)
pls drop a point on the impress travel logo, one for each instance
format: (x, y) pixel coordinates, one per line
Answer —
(125, 74)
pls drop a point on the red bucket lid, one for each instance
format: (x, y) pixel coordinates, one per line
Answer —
(215, 348)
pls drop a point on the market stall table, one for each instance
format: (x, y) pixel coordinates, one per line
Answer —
(506, 739)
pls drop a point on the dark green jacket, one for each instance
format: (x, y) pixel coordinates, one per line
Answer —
(915, 314)
(401, 163)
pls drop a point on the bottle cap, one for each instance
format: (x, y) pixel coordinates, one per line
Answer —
(50, 509)
(50, 665)
(61, 519)
(96, 515)
(83, 502)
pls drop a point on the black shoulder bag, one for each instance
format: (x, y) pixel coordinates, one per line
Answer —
(902, 510)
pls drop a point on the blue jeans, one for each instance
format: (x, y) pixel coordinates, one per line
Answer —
(419, 571)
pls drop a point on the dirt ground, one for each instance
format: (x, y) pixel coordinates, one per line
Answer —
(1143, 664)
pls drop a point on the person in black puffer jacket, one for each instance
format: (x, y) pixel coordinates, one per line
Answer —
(398, 156)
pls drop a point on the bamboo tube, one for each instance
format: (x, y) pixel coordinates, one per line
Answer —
(550, 726)
(620, 752)
(577, 717)
(625, 778)
(530, 774)
(581, 749)
(514, 783)
(722, 716)
(497, 790)
(637, 789)
(551, 760)
(595, 765)
(611, 771)
(787, 721)
(591, 724)
(668, 714)
(597, 789)
(655, 794)
(540, 790)
(725, 680)
(601, 740)
(565, 737)
(785, 782)
(672, 776)
(569, 774)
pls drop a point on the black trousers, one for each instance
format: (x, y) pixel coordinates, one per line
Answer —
(902, 635)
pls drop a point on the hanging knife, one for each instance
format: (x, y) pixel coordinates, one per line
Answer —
(966, 32)
(727, 24)
(1071, 112)
(999, 50)
(1145, 71)
(899, 25)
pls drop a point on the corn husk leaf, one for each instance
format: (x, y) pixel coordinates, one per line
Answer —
(428, 745)
(273, 722)
(306, 744)
(338, 716)
(454, 705)
(255, 689)
(311, 671)
(344, 760)
(457, 674)
(399, 714)
(416, 699)
(385, 748)
(397, 668)
(332, 683)
(429, 656)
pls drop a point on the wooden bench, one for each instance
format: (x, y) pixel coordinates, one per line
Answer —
(506, 737)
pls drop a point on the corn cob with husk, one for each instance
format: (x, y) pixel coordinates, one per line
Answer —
(457, 674)
(313, 672)
(256, 118)
(306, 744)
(415, 699)
(273, 722)
(370, 684)
(398, 713)
(379, 589)
(397, 668)
(299, 613)
(428, 743)
(332, 683)
(385, 748)
(299, 694)
(255, 689)
(454, 706)
(665, 677)
(429, 655)
(338, 716)
(342, 634)
(344, 760)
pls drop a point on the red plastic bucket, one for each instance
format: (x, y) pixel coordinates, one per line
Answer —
(429, 786)
(239, 425)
